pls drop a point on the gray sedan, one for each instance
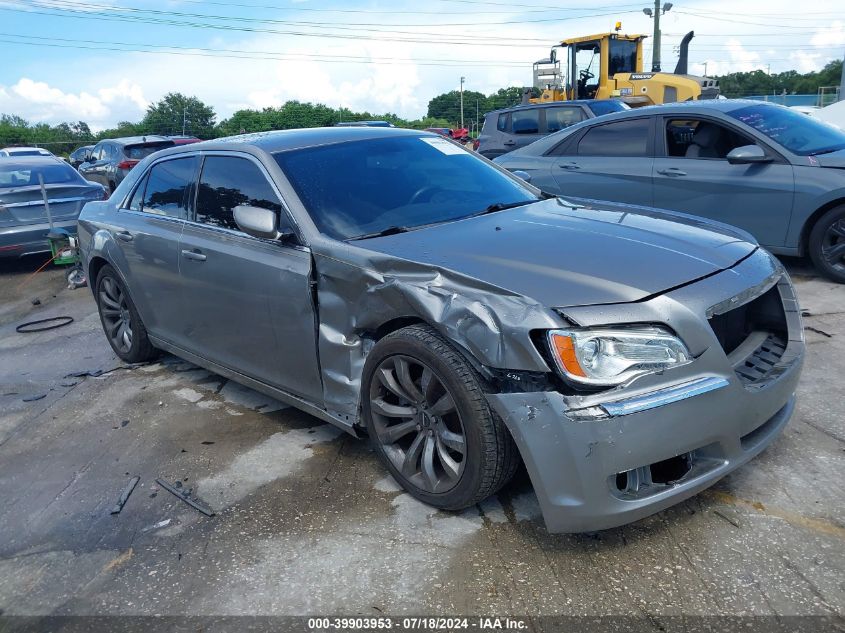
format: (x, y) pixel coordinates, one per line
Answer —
(765, 168)
(398, 286)
(24, 221)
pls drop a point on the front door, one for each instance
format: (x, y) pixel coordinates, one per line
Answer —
(247, 302)
(694, 176)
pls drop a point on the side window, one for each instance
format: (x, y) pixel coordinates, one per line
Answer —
(168, 187)
(502, 123)
(136, 202)
(227, 182)
(697, 138)
(526, 121)
(559, 118)
(622, 138)
(96, 153)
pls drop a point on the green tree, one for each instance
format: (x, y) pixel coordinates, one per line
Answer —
(177, 112)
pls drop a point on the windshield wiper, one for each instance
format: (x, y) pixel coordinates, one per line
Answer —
(501, 206)
(390, 230)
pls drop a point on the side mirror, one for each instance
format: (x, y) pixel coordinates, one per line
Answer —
(524, 175)
(748, 155)
(258, 222)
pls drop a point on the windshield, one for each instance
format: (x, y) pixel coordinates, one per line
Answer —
(606, 106)
(363, 187)
(800, 134)
(139, 152)
(21, 175)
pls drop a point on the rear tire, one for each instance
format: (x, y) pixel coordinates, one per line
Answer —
(827, 244)
(429, 422)
(122, 324)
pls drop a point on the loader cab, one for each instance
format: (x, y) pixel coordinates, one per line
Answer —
(583, 67)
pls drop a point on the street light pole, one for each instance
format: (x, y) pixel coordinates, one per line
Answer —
(462, 102)
(655, 14)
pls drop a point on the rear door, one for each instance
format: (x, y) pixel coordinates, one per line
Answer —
(692, 174)
(611, 161)
(247, 302)
(151, 221)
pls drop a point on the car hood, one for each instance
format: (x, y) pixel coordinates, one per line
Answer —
(834, 159)
(564, 253)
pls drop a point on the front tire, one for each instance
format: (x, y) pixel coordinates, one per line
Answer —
(827, 244)
(429, 421)
(121, 322)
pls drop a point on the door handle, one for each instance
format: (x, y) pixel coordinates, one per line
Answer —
(570, 166)
(126, 236)
(672, 171)
(196, 255)
(509, 142)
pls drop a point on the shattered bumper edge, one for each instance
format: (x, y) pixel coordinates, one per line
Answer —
(571, 463)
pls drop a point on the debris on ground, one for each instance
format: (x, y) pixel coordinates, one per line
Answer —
(42, 325)
(156, 526)
(727, 518)
(36, 301)
(96, 373)
(818, 331)
(124, 496)
(185, 495)
(34, 397)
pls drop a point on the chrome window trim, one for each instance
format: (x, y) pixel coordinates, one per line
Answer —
(36, 203)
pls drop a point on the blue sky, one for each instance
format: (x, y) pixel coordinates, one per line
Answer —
(257, 53)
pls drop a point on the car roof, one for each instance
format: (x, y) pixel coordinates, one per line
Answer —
(138, 140)
(283, 140)
(25, 162)
(548, 104)
(687, 107)
(19, 148)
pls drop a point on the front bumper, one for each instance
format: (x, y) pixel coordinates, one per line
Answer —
(29, 239)
(582, 469)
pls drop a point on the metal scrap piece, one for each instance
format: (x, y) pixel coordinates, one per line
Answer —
(125, 495)
(185, 496)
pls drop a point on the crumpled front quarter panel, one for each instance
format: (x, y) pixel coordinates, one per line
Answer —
(361, 291)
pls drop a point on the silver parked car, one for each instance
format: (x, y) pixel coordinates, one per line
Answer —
(24, 222)
(765, 168)
(393, 283)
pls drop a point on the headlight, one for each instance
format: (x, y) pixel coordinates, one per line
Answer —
(607, 357)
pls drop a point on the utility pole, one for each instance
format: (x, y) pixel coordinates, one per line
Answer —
(655, 14)
(462, 102)
(476, 116)
(184, 118)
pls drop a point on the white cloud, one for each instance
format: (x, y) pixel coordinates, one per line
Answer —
(37, 101)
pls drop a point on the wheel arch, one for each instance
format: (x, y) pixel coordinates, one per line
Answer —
(810, 222)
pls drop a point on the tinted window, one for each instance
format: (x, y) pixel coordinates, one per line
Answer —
(801, 134)
(623, 57)
(363, 187)
(168, 187)
(606, 106)
(526, 121)
(227, 182)
(624, 138)
(502, 123)
(559, 118)
(138, 152)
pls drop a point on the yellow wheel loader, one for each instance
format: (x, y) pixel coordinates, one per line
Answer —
(610, 65)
